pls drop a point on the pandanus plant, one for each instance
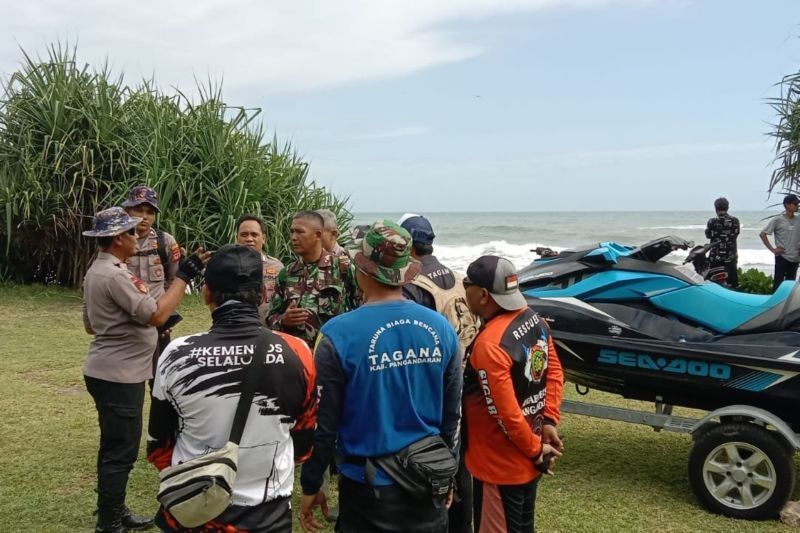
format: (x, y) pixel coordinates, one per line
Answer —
(74, 140)
(786, 133)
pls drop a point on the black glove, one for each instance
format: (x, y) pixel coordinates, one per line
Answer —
(189, 268)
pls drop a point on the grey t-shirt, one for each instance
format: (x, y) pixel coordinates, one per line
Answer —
(118, 307)
(787, 235)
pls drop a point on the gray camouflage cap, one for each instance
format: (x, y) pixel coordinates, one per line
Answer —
(110, 222)
(385, 254)
(142, 195)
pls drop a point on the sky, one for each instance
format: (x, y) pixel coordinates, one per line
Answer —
(471, 105)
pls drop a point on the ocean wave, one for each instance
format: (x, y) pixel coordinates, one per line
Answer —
(688, 226)
(503, 228)
(458, 257)
(699, 227)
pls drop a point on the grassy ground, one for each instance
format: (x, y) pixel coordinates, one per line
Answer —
(613, 477)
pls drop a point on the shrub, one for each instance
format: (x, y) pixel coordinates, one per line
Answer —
(74, 140)
(754, 281)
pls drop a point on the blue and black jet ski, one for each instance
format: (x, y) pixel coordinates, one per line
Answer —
(628, 322)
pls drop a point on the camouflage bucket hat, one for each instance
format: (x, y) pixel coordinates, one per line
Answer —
(142, 195)
(385, 254)
(110, 222)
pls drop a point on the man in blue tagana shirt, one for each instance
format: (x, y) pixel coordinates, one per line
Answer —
(388, 375)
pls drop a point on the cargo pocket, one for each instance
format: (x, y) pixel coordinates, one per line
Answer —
(155, 268)
(122, 428)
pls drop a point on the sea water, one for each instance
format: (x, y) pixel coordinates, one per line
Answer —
(462, 237)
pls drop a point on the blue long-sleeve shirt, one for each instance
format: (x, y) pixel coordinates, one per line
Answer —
(388, 374)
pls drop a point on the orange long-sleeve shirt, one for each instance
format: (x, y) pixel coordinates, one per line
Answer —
(512, 387)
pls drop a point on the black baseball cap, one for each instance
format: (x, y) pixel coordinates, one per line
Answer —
(791, 199)
(419, 227)
(234, 268)
(498, 276)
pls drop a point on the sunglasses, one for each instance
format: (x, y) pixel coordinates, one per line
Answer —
(467, 284)
(131, 231)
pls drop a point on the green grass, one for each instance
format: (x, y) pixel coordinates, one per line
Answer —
(613, 476)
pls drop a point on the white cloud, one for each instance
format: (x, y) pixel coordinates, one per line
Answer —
(273, 46)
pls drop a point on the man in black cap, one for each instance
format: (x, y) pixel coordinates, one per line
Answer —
(199, 380)
(787, 241)
(121, 314)
(512, 396)
(422, 250)
(157, 252)
(440, 289)
(724, 230)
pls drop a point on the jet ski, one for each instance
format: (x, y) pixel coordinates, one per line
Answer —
(629, 322)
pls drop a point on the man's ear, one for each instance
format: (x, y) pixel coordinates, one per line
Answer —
(484, 296)
(206, 295)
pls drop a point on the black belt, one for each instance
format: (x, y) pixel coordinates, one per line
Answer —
(146, 253)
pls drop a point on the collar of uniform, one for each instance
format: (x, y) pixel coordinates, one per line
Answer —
(151, 234)
(324, 261)
(105, 256)
(428, 260)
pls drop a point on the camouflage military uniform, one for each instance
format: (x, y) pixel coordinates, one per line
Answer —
(326, 288)
(146, 264)
(272, 267)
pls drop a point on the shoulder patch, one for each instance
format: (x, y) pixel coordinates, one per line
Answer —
(139, 284)
(174, 253)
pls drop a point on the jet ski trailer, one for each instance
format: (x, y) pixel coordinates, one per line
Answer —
(741, 463)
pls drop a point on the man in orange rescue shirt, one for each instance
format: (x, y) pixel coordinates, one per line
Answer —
(512, 394)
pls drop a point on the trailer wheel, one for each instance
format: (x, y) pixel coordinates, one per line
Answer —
(741, 470)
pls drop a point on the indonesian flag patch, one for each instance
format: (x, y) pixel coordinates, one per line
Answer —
(511, 282)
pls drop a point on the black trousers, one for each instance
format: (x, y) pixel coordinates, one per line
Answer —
(459, 516)
(163, 341)
(392, 509)
(731, 268)
(119, 412)
(274, 516)
(504, 508)
(784, 270)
